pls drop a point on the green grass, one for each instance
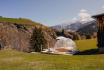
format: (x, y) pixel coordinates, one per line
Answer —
(14, 60)
(18, 21)
(86, 44)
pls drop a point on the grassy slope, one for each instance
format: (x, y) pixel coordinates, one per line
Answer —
(13, 60)
(23, 21)
(18, 20)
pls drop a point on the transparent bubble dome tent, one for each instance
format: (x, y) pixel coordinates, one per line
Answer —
(63, 45)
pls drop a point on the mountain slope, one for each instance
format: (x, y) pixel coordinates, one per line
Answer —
(80, 30)
(88, 29)
(72, 26)
(21, 34)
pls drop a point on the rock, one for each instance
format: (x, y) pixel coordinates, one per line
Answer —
(18, 36)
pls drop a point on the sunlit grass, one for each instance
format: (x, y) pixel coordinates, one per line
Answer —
(18, 21)
(86, 44)
(14, 60)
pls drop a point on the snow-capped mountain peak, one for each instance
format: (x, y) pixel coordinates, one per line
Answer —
(84, 18)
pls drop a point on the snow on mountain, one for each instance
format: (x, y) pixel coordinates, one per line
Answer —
(84, 18)
(72, 26)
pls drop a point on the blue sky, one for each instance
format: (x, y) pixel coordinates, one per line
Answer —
(49, 12)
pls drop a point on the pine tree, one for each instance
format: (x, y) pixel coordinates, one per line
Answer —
(38, 41)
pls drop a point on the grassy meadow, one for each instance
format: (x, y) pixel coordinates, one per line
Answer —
(86, 44)
(18, 21)
(14, 60)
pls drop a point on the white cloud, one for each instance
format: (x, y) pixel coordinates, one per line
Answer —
(84, 15)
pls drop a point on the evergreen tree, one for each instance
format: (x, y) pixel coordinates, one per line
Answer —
(38, 41)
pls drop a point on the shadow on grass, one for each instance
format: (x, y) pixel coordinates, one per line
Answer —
(90, 52)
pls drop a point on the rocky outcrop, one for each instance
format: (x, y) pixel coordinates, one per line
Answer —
(19, 36)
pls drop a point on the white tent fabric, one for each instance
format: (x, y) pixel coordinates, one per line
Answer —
(63, 42)
(63, 45)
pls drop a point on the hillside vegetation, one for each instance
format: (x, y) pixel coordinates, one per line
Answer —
(14, 60)
(19, 21)
(24, 34)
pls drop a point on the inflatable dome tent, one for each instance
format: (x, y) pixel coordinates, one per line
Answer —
(63, 45)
